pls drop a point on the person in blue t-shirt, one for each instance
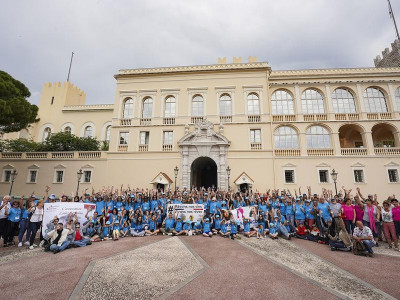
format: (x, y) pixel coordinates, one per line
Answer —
(187, 227)
(213, 206)
(299, 212)
(310, 211)
(113, 216)
(224, 230)
(324, 210)
(153, 224)
(260, 231)
(197, 229)
(234, 230)
(115, 230)
(13, 218)
(207, 228)
(138, 229)
(125, 229)
(290, 213)
(178, 230)
(273, 228)
(168, 225)
(216, 223)
(107, 231)
(246, 228)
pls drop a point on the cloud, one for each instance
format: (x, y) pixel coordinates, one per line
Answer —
(111, 35)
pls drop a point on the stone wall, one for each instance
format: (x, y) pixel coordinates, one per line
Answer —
(389, 58)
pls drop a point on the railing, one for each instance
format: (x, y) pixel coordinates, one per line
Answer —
(89, 154)
(287, 152)
(166, 148)
(225, 119)
(169, 121)
(145, 121)
(353, 117)
(386, 116)
(321, 117)
(372, 116)
(122, 148)
(125, 122)
(197, 119)
(387, 151)
(254, 119)
(62, 155)
(308, 118)
(353, 151)
(290, 118)
(11, 155)
(319, 152)
(344, 117)
(255, 146)
(143, 148)
(277, 118)
(36, 155)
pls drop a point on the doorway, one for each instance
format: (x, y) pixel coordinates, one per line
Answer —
(204, 173)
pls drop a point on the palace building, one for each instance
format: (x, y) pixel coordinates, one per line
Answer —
(272, 128)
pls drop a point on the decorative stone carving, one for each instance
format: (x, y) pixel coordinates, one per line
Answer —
(203, 142)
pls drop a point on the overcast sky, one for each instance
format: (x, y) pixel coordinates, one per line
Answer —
(37, 37)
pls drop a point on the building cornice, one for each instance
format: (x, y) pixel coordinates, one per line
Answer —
(190, 69)
(95, 107)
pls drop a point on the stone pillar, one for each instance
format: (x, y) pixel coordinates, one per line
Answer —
(391, 104)
(367, 138)
(298, 99)
(303, 143)
(336, 143)
(185, 171)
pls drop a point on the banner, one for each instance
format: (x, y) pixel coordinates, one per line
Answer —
(191, 212)
(247, 212)
(65, 211)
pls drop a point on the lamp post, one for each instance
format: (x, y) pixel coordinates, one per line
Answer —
(176, 170)
(228, 173)
(79, 176)
(334, 175)
(13, 175)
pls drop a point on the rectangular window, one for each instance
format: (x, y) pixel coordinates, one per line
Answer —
(87, 176)
(123, 138)
(59, 176)
(32, 176)
(393, 175)
(323, 176)
(255, 136)
(289, 176)
(144, 137)
(168, 138)
(359, 176)
(7, 176)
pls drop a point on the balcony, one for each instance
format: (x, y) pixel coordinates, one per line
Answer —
(387, 151)
(347, 117)
(122, 148)
(166, 148)
(317, 117)
(54, 155)
(145, 121)
(319, 152)
(62, 155)
(143, 148)
(125, 122)
(353, 151)
(225, 119)
(287, 152)
(255, 146)
(36, 155)
(169, 121)
(254, 119)
(379, 116)
(196, 120)
(284, 118)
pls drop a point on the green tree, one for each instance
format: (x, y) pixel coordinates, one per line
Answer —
(16, 112)
(65, 141)
(21, 145)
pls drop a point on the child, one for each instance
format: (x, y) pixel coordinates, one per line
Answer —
(124, 230)
(260, 231)
(314, 234)
(224, 230)
(234, 231)
(152, 230)
(217, 224)
(301, 231)
(106, 231)
(197, 228)
(178, 227)
(115, 230)
(273, 228)
(207, 228)
(246, 228)
(187, 228)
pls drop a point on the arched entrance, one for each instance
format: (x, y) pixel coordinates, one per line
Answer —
(204, 173)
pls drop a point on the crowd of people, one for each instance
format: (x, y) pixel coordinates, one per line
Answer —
(345, 222)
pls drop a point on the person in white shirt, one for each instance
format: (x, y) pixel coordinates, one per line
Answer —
(35, 221)
(3, 217)
(364, 235)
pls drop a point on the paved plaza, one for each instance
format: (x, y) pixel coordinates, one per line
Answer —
(164, 267)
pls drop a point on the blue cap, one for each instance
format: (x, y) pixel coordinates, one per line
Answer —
(116, 222)
(217, 216)
(132, 196)
(52, 197)
(197, 223)
(188, 221)
(207, 219)
(108, 223)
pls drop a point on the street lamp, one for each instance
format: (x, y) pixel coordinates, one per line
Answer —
(334, 175)
(228, 172)
(79, 176)
(13, 175)
(176, 170)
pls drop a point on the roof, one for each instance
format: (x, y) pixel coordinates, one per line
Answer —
(163, 175)
(245, 174)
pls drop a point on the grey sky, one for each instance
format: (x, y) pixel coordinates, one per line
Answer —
(38, 36)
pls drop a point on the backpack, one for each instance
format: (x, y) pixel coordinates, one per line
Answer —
(358, 248)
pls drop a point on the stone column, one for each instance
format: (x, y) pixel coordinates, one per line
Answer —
(336, 143)
(303, 143)
(367, 138)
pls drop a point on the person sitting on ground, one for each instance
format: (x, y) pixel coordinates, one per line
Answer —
(314, 235)
(115, 230)
(362, 235)
(187, 228)
(107, 233)
(260, 231)
(168, 225)
(246, 228)
(282, 226)
(152, 230)
(78, 239)
(224, 229)
(234, 230)
(197, 229)
(58, 238)
(216, 223)
(301, 231)
(341, 240)
(178, 230)
(207, 228)
(273, 228)
(137, 229)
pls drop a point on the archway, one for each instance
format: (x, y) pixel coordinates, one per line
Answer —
(204, 173)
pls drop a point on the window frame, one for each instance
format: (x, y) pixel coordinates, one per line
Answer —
(279, 136)
(171, 132)
(289, 105)
(260, 135)
(3, 177)
(126, 138)
(87, 130)
(198, 114)
(309, 137)
(312, 103)
(147, 137)
(336, 101)
(147, 102)
(222, 99)
(170, 115)
(293, 171)
(55, 181)
(327, 176)
(363, 175)
(131, 108)
(252, 100)
(28, 179)
(367, 100)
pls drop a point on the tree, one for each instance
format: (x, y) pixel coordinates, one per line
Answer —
(20, 145)
(65, 141)
(16, 112)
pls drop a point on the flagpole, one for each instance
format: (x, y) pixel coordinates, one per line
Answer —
(394, 20)
(70, 64)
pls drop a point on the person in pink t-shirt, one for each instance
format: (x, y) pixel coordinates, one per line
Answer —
(348, 213)
(396, 215)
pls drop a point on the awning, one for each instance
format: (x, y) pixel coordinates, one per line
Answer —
(243, 178)
(161, 178)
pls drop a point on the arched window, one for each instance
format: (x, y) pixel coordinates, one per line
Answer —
(147, 111)
(318, 137)
(225, 105)
(128, 109)
(67, 129)
(197, 106)
(397, 97)
(253, 104)
(46, 133)
(282, 103)
(375, 101)
(312, 102)
(170, 105)
(88, 132)
(343, 101)
(286, 138)
(108, 133)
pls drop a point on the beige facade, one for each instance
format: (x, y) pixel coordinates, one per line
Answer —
(274, 129)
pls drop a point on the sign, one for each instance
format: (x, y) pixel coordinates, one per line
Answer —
(65, 211)
(191, 212)
(247, 212)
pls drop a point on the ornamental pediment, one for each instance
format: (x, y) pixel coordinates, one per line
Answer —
(203, 134)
